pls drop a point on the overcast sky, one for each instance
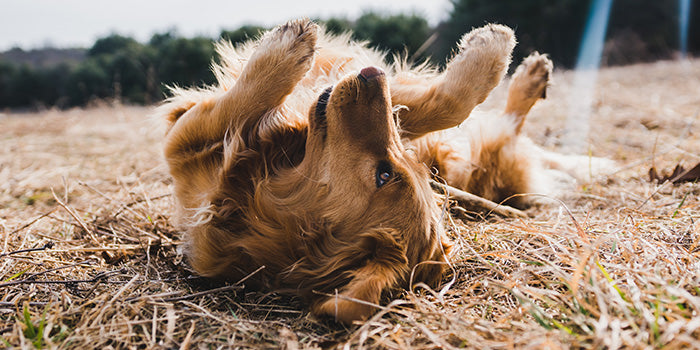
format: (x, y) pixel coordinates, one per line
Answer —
(77, 23)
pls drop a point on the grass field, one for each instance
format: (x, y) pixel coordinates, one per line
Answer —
(90, 258)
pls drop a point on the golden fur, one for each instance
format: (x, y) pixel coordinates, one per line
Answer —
(331, 193)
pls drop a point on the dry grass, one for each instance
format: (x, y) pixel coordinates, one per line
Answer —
(87, 189)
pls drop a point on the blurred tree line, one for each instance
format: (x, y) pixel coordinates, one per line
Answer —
(121, 68)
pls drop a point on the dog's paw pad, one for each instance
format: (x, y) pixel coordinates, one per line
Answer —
(300, 33)
(289, 46)
(482, 60)
(302, 29)
(484, 55)
(534, 74)
(492, 37)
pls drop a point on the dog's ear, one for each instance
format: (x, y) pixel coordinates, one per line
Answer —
(179, 102)
(167, 114)
(175, 112)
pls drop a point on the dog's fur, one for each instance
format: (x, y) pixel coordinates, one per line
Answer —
(328, 188)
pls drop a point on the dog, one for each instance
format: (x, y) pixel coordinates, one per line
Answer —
(312, 157)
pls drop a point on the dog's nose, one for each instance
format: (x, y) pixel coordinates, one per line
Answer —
(369, 73)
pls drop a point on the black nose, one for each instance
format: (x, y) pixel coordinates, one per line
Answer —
(369, 73)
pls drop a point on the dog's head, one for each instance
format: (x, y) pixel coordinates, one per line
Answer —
(368, 189)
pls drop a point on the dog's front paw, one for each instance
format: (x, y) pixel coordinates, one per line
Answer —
(482, 60)
(343, 310)
(295, 41)
(281, 59)
(492, 40)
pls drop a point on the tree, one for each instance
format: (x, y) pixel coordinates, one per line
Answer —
(638, 30)
(25, 84)
(111, 44)
(396, 34)
(551, 26)
(694, 30)
(336, 25)
(117, 67)
(54, 85)
(88, 81)
(185, 62)
(7, 72)
(242, 34)
(642, 30)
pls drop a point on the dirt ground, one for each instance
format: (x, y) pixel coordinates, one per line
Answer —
(90, 257)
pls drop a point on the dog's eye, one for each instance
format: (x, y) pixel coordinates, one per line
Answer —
(384, 173)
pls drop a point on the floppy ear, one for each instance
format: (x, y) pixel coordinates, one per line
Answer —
(179, 102)
(176, 112)
(374, 263)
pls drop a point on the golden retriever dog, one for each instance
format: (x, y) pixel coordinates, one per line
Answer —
(312, 157)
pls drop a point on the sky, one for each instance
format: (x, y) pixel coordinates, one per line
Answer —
(33, 24)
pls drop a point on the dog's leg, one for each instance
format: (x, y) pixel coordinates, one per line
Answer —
(384, 263)
(444, 102)
(529, 84)
(196, 142)
(356, 301)
(282, 58)
(500, 162)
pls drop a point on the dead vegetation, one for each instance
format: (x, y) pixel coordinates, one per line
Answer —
(90, 258)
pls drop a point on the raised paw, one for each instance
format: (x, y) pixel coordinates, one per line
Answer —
(299, 36)
(482, 60)
(292, 43)
(281, 59)
(529, 84)
(494, 40)
(535, 72)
